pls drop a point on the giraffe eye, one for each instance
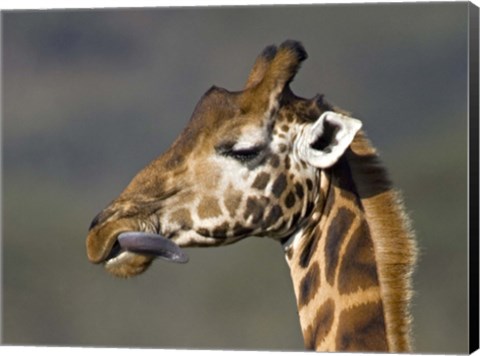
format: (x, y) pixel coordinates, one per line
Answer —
(240, 154)
(244, 155)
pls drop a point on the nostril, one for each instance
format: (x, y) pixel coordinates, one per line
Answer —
(101, 217)
(94, 222)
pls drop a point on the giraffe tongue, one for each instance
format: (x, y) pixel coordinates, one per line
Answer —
(153, 244)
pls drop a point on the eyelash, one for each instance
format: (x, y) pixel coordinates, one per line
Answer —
(242, 155)
(245, 155)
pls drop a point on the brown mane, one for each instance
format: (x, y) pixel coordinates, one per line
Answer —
(393, 239)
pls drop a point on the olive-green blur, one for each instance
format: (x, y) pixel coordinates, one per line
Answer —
(91, 97)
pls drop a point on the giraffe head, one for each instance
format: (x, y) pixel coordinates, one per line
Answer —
(247, 164)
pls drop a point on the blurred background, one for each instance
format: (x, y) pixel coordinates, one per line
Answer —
(90, 97)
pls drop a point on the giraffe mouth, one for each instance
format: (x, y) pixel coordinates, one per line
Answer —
(151, 244)
(134, 251)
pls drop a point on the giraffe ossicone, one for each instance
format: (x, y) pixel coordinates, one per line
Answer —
(265, 162)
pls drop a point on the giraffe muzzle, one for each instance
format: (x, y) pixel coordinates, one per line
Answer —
(152, 244)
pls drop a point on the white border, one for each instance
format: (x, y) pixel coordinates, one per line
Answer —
(77, 351)
(95, 4)
(100, 4)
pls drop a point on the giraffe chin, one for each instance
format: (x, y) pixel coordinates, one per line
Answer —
(128, 264)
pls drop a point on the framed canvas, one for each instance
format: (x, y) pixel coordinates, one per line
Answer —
(91, 97)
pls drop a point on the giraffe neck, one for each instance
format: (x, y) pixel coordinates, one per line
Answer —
(351, 263)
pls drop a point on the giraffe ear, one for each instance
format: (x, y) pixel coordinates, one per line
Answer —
(323, 142)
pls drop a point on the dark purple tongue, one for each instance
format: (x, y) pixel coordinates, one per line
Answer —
(153, 244)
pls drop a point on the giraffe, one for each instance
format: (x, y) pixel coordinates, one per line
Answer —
(264, 162)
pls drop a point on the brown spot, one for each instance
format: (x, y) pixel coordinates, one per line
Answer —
(261, 181)
(309, 248)
(204, 232)
(284, 128)
(299, 190)
(358, 268)
(329, 202)
(240, 230)
(282, 147)
(232, 201)
(290, 200)
(287, 162)
(295, 218)
(362, 328)
(210, 176)
(254, 208)
(273, 216)
(274, 161)
(316, 333)
(208, 208)
(182, 217)
(309, 285)
(289, 253)
(310, 206)
(221, 231)
(336, 233)
(279, 185)
(309, 184)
